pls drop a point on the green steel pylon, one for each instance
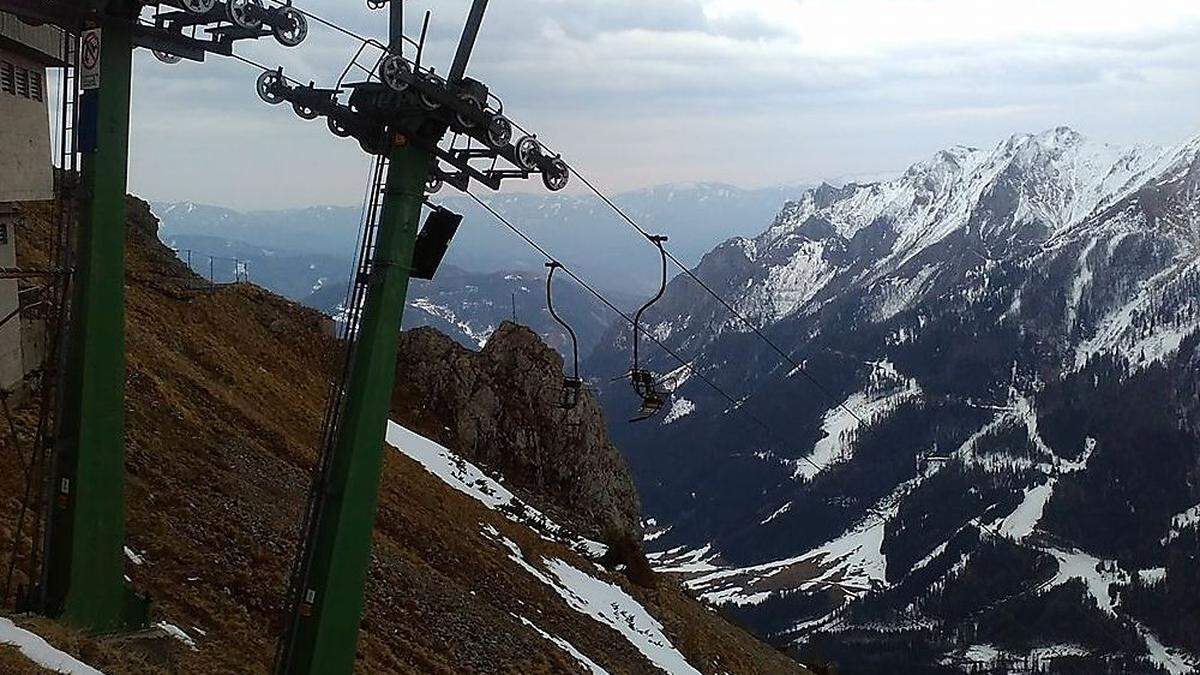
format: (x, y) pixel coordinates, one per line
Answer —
(84, 567)
(324, 635)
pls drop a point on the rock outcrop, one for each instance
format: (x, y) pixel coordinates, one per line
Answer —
(499, 408)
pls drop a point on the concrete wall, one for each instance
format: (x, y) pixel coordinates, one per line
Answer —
(25, 169)
(44, 42)
(26, 174)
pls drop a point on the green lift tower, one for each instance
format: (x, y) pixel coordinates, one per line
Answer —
(401, 114)
(82, 574)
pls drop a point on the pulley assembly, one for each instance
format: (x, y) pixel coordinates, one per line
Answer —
(188, 29)
(400, 103)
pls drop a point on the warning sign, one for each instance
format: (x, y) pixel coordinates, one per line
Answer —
(89, 59)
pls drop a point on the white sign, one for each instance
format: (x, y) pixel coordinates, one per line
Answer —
(89, 59)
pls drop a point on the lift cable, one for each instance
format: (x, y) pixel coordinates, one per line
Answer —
(825, 391)
(735, 404)
(339, 28)
(261, 67)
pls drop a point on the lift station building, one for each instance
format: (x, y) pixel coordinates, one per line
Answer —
(26, 172)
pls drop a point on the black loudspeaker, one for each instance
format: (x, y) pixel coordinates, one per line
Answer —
(433, 241)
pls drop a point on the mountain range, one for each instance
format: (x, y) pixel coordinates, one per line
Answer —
(580, 230)
(306, 254)
(981, 449)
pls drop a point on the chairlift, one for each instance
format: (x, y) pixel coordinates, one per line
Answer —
(644, 383)
(573, 384)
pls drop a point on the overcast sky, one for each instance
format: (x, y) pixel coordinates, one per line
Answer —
(748, 92)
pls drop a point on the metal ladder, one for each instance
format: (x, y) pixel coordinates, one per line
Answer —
(352, 311)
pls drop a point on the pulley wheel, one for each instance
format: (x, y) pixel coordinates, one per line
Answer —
(245, 13)
(337, 128)
(556, 176)
(499, 131)
(167, 57)
(292, 27)
(466, 120)
(198, 6)
(435, 82)
(269, 86)
(395, 71)
(304, 111)
(528, 152)
(433, 184)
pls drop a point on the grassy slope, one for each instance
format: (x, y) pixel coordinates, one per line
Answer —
(225, 393)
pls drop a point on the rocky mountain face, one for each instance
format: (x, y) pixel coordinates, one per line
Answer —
(499, 406)
(490, 547)
(1000, 467)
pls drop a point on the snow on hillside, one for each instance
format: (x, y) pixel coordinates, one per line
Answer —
(852, 563)
(473, 482)
(37, 650)
(993, 277)
(582, 591)
(602, 601)
(886, 390)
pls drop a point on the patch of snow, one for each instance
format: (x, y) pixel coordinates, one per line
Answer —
(933, 555)
(607, 604)
(134, 557)
(680, 408)
(981, 654)
(611, 605)
(473, 482)
(1022, 521)
(177, 633)
(683, 561)
(36, 649)
(1097, 574)
(841, 422)
(567, 647)
(1152, 575)
(778, 512)
(653, 532)
(1118, 334)
(480, 337)
(1180, 522)
(1174, 661)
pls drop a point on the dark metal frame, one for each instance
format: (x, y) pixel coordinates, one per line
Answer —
(573, 384)
(644, 382)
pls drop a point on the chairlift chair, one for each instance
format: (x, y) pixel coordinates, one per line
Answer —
(644, 383)
(572, 385)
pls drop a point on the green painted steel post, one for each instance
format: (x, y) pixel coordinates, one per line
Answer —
(84, 573)
(325, 635)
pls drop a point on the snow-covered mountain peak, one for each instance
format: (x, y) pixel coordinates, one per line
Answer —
(1014, 329)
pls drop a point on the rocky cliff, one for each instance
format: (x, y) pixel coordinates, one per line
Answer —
(498, 407)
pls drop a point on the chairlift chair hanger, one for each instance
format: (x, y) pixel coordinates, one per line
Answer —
(644, 384)
(573, 384)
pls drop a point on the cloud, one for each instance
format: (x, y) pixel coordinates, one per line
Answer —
(771, 91)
